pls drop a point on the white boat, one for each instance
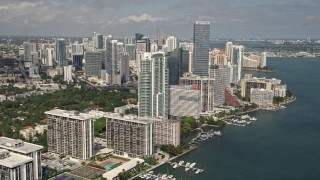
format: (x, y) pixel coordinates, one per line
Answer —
(253, 119)
(164, 176)
(198, 171)
(181, 163)
(170, 176)
(175, 165)
(150, 172)
(217, 133)
(188, 164)
(245, 116)
(192, 165)
(187, 169)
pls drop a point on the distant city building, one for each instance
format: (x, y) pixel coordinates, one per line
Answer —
(161, 37)
(263, 60)
(201, 38)
(186, 46)
(138, 36)
(205, 86)
(70, 133)
(184, 101)
(28, 48)
(124, 67)
(77, 49)
(217, 57)
(178, 63)
(229, 50)
(93, 63)
(60, 46)
(77, 61)
(131, 50)
(153, 88)
(67, 73)
(171, 43)
(23, 156)
(261, 97)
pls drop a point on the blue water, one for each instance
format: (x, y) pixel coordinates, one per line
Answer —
(109, 166)
(280, 145)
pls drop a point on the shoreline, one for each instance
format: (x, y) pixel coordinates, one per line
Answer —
(173, 158)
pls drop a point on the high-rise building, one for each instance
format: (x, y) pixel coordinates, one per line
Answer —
(178, 63)
(93, 63)
(261, 97)
(228, 50)
(134, 136)
(61, 51)
(205, 86)
(153, 90)
(201, 39)
(138, 36)
(221, 74)
(98, 41)
(161, 37)
(171, 43)
(70, 133)
(131, 50)
(184, 101)
(67, 73)
(124, 67)
(77, 49)
(237, 59)
(263, 60)
(28, 48)
(22, 156)
(77, 61)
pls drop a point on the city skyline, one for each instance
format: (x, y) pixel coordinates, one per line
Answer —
(251, 18)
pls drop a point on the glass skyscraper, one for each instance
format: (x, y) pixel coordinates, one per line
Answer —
(201, 38)
(61, 52)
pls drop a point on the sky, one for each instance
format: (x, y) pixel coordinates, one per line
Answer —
(120, 18)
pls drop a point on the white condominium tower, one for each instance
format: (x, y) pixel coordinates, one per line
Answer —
(153, 87)
(70, 133)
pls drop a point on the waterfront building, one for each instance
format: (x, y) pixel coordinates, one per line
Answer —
(93, 63)
(153, 90)
(178, 63)
(23, 153)
(60, 45)
(15, 166)
(205, 85)
(237, 60)
(184, 101)
(70, 133)
(261, 83)
(134, 136)
(261, 97)
(201, 38)
(280, 90)
(67, 73)
(221, 74)
(263, 60)
(249, 63)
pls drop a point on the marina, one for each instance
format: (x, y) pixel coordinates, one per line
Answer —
(241, 121)
(204, 136)
(187, 167)
(151, 175)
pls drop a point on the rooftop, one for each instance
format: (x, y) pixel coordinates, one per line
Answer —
(126, 166)
(17, 145)
(70, 114)
(11, 160)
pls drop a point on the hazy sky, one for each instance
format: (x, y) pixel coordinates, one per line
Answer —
(229, 18)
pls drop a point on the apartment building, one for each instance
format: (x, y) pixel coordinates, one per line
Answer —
(22, 156)
(70, 133)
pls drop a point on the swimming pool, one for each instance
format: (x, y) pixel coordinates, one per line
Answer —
(110, 166)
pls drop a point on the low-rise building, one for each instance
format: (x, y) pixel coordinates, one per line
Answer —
(261, 97)
(280, 90)
(28, 133)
